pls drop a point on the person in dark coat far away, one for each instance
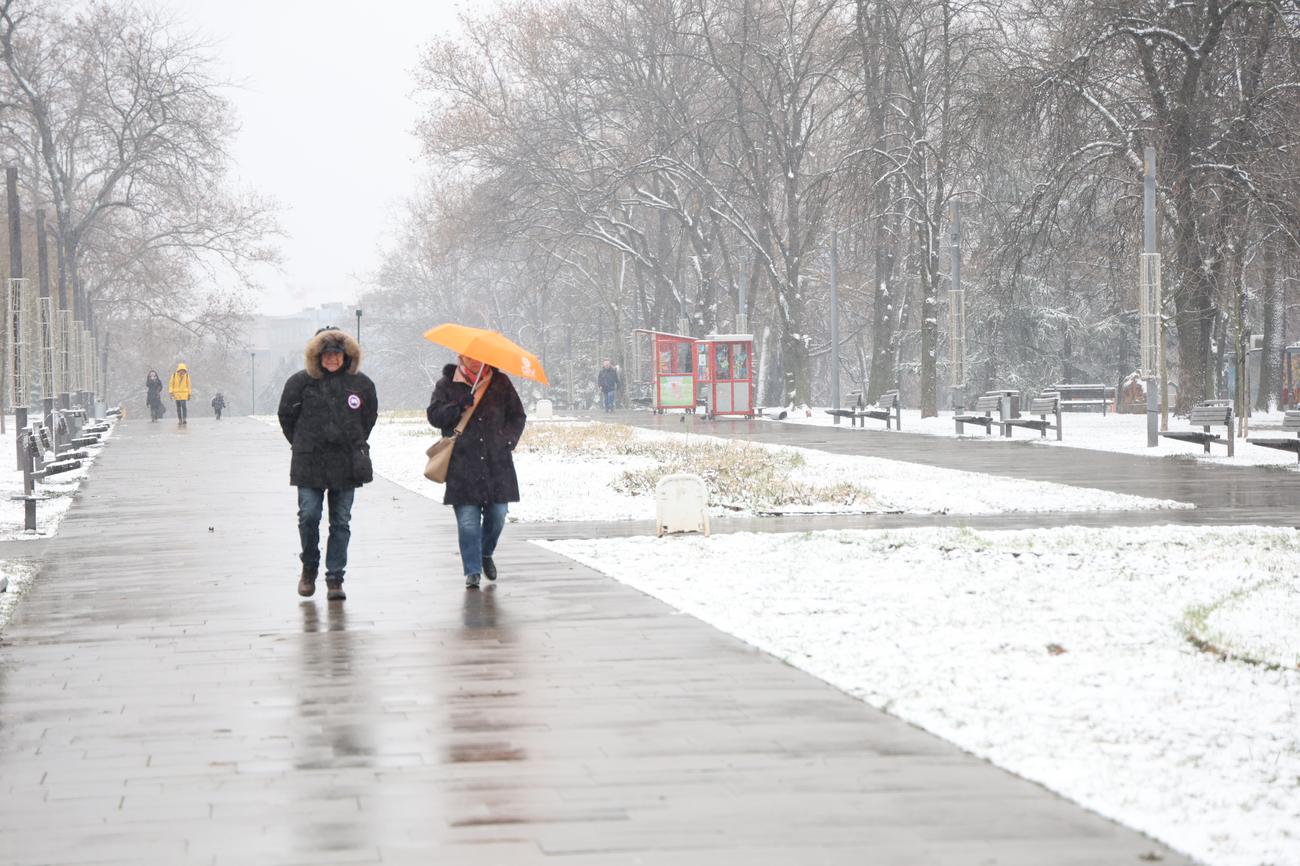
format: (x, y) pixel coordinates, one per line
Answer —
(154, 385)
(607, 379)
(218, 404)
(481, 477)
(327, 412)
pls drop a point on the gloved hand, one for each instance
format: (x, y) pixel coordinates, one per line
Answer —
(466, 401)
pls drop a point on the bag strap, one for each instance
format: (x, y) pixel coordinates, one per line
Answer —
(464, 419)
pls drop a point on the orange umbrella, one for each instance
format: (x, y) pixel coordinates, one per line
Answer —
(488, 347)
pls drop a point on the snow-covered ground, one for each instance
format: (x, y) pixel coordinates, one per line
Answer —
(1060, 654)
(1123, 434)
(586, 486)
(57, 495)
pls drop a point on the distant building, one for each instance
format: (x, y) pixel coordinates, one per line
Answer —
(276, 344)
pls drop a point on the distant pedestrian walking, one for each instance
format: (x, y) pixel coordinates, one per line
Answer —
(608, 381)
(153, 387)
(180, 389)
(327, 412)
(481, 479)
(218, 404)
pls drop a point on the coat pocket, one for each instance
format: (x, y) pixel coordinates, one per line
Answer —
(363, 471)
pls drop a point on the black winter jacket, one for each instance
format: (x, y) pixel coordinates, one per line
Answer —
(327, 418)
(482, 470)
(607, 379)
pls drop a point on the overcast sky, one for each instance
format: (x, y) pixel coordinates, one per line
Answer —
(326, 117)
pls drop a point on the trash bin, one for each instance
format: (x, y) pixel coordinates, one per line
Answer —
(1014, 398)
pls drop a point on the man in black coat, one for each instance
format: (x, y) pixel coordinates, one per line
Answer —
(327, 412)
(608, 382)
(481, 478)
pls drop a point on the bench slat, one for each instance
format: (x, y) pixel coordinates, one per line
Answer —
(1279, 444)
(1197, 436)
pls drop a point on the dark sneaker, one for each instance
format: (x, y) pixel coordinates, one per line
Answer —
(489, 568)
(335, 587)
(307, 583)
(471, 581)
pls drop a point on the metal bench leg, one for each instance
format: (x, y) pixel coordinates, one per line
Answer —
(1058, 422)
(1207, 441)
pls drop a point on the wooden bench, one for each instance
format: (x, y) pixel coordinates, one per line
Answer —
(1086, 397)
(988, 404)
(889, 408)
(44, 438)
(1290, 424)
(1043, 405)
(1213, 413)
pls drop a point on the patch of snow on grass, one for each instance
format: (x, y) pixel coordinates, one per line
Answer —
(1057, 653)
(17, 577)
(1260, 624)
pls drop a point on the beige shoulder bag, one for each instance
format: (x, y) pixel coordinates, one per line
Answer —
(439, 452)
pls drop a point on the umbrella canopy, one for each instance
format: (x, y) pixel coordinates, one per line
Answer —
(490, 348)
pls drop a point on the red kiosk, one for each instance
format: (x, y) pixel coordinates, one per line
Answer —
(724, 371)
(672, 360)
(716, 372)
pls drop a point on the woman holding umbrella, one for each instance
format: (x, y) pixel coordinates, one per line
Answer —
(481, 479)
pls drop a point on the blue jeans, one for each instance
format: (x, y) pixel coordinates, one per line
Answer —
(478, 527)
(609, 400)
(311, 502)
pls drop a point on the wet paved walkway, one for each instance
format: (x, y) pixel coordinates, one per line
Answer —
(166, 698)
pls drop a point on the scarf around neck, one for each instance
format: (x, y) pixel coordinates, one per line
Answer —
(465, 379)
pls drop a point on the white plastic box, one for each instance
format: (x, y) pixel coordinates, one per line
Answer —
(681, 504)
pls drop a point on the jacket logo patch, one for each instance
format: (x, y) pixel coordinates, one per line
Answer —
(354, 401)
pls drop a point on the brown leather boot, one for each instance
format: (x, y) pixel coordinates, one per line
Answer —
(307, 583)
(335, 587)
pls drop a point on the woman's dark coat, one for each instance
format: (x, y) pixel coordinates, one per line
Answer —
(327, 418)
(482, 470)
(155, 387)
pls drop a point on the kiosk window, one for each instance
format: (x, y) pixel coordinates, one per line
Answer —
(742, 361)
(722, 365)
(684, 357)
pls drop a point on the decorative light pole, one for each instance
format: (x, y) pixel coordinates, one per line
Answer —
(956, 314)
(835, 325)
(1149, 298)
(358, 324)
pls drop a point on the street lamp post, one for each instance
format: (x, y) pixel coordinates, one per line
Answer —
(835, 326)
(358, 324)
(252, 379)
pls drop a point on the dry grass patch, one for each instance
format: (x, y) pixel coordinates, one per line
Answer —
(738, 475)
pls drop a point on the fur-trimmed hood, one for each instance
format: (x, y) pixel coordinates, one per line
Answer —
(448, 371)
(351, 350)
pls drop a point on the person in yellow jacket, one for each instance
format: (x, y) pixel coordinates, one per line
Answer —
(179, 388)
